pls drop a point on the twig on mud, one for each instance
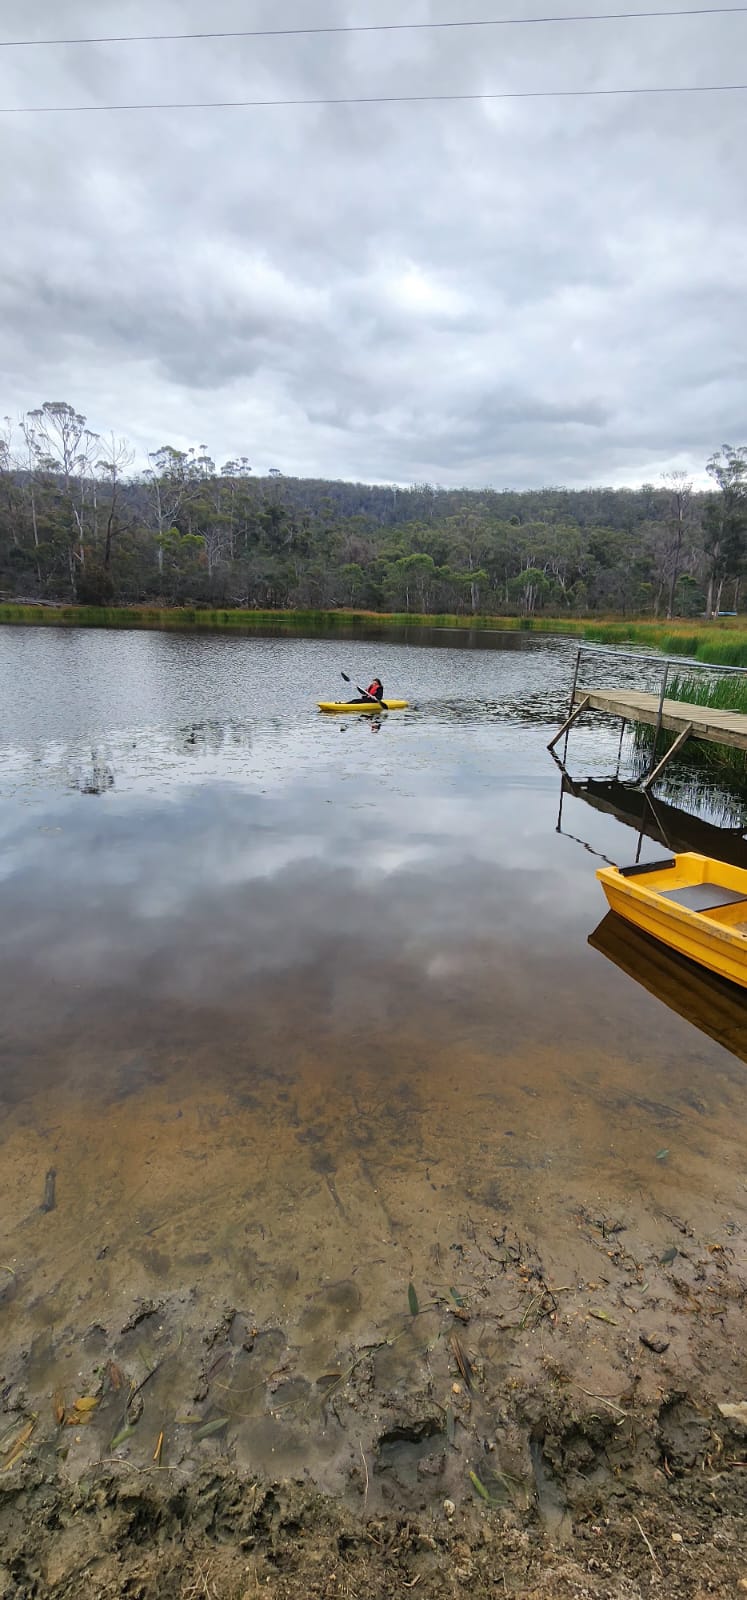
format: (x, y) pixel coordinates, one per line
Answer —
(136, 1388)
(605, 1402)
(462, 1360)
(647, 1543)
(414, 1581)
(378, 1344)
(365, 1469)
(203, 1584)
(529, 1310)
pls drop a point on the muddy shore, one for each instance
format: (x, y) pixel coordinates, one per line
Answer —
(484, 1426)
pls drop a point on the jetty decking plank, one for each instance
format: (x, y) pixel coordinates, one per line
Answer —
(716, 727)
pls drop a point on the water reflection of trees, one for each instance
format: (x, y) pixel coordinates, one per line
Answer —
(96, 779)
(209, 736)
(213, 734)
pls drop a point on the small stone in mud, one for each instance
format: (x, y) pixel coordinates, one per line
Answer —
(734, 1413)
(450, 1508)
(143, 1309)
(653, 1343)
(8, 1285)
(135, 1410)
(49, 1201)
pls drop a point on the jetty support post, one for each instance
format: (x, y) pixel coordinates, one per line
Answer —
(623, 726)
(576, 671)
(651, 777)
(659, 720)
(576, 712)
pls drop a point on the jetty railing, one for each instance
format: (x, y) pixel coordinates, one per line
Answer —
(579, 701)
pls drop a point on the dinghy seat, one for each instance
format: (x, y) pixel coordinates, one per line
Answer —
(702, 896)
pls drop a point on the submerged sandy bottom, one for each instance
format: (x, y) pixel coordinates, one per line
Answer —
(408, 1272)
(253, 1229)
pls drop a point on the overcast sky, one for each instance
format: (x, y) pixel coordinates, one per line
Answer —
(506, 293)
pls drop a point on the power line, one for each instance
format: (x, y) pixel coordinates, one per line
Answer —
(375, 27)
(384, 99)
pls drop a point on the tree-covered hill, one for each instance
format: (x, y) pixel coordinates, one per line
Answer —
(77, 523)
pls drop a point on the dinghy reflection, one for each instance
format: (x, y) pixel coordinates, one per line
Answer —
(715, 1006)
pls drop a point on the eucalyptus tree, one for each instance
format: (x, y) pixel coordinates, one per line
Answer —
(61, 445)
(725, 522)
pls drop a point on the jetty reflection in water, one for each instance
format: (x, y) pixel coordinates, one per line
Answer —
(656, 819)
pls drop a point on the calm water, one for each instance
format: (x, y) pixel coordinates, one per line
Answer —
(279, 990)
(180, 827)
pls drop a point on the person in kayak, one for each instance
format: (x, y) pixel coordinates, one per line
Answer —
(375, 691)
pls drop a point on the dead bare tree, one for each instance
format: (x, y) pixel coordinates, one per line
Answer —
(114, 462)
(680, 490)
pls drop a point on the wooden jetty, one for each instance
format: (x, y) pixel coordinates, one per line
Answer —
(685, 720)
(677, 716)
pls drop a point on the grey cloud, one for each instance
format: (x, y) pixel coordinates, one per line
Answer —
(522, 292)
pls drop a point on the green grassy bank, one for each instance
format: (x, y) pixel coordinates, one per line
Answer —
(722, 643)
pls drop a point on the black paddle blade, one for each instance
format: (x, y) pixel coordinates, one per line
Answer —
(345, 676)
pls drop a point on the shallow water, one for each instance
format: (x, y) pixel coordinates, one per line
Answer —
(289, 1001)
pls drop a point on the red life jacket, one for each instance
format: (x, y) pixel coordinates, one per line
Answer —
(375, 689)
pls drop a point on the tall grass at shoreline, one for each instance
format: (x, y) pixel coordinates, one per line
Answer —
(720, 694)
(722, 643)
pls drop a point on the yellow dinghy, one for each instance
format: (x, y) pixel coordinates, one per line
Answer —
(371, 706)
(692, 903)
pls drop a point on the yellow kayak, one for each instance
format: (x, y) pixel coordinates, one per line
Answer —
(692, 903)
(363, 705)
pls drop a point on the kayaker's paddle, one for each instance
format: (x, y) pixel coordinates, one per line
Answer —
(364, 692)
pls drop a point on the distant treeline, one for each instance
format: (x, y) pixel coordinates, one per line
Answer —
(77, 524)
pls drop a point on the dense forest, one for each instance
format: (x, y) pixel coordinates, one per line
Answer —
(77, 523)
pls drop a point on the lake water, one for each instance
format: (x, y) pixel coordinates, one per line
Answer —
(287, 1000)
